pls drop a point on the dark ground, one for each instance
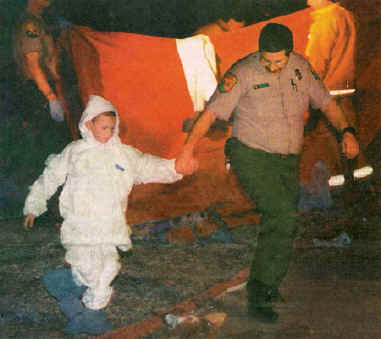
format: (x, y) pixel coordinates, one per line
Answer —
(329, 292)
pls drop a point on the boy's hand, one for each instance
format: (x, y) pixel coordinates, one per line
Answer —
(186, 163)
(29, 221)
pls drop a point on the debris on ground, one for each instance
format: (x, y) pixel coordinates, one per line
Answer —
(342, 240)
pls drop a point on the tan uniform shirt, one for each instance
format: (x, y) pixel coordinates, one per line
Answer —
(269, 108)
(32, 35)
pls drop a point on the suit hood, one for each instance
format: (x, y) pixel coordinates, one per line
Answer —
(95, 106)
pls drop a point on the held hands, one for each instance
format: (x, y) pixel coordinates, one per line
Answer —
(57, 111)
(186, 163)
(29, 221)
(350, 146)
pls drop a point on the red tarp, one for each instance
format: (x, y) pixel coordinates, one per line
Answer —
(143, 77)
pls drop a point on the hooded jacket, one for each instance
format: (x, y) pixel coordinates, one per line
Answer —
(97, 179)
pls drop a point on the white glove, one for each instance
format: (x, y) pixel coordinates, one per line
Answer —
(57, 111)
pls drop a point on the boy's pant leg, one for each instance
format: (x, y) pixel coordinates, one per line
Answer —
(96, 267)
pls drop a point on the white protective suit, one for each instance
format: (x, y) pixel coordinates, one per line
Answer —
(97, 180)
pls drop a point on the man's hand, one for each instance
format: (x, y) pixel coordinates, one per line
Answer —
(350, 146)
(57, 111)
(186, 163)
(29, 221)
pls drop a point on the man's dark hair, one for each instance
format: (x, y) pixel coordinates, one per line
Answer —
(275, 38)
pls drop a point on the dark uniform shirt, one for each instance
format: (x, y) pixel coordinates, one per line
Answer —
(269, 108)
(32, 35)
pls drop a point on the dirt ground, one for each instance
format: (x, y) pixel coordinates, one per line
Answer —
(328, 292)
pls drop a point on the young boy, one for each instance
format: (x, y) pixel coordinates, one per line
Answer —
(97, 173)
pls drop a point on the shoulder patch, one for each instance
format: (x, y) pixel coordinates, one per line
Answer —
(31, 30)
(227, 83)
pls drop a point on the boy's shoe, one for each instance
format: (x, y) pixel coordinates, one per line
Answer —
(71, 306)
(60, 283)
(81, 319)
(89, 321)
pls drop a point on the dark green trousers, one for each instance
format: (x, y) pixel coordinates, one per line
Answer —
(271, 181)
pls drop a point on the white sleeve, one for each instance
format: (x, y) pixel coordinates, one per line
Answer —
(153, 169)
(45, 186)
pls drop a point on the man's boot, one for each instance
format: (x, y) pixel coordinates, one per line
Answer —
(260, 299)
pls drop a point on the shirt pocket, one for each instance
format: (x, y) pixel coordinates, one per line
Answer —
(265, 101)
(297, 98)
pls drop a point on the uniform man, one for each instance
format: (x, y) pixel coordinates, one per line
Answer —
(35, 128)
(269, 92)
(35, 57)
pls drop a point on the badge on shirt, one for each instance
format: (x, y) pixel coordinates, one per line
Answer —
(262, 85)
(227, 83)
(31, 31)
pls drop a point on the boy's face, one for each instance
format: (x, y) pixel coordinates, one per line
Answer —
(102, 127)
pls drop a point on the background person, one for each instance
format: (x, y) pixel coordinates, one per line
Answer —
(35, 56)
(331, 51)
(34, 128)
